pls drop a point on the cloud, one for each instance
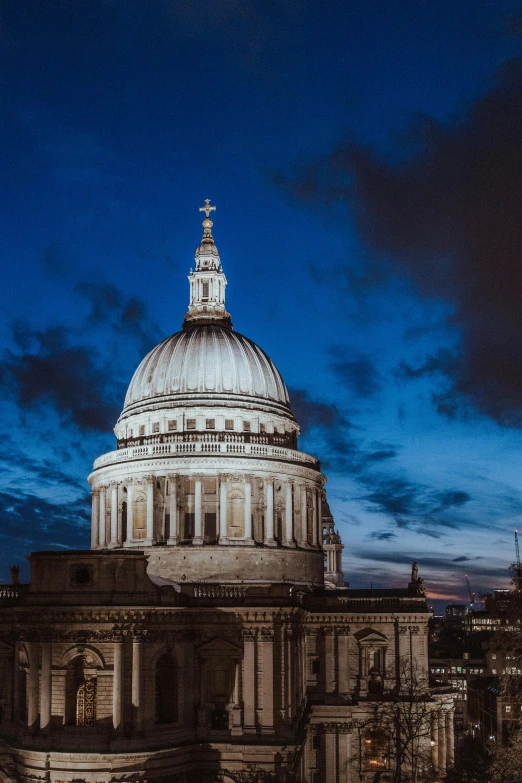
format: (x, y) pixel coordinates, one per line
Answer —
(383, 535)
(127, 317)
(312, 413)
(53, 371)
(54, 366)
(464, 559)
(30, 523)
(413, 505)
(360, 376)
(444, 210)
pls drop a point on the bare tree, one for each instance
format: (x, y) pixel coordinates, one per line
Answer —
(396, 737)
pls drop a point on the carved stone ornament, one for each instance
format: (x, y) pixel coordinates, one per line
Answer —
(267, 634)
(341, 728)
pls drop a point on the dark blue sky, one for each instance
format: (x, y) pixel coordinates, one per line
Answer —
(366, 163)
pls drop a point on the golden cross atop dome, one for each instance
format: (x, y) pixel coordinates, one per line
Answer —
(207, 209)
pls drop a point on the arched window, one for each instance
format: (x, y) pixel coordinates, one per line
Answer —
(166, 692)
(81, 687)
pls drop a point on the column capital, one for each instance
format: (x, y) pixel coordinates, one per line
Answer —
(224, 476)
(95, 491)
(249, 633)
(114, 483)
(266, 634)
(148, 479)
(172, 476)
(249, 477)
(198, 476)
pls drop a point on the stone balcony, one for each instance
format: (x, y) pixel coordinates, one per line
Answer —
(208, 448)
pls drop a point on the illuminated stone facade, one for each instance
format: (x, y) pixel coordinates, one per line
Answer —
(208, 634)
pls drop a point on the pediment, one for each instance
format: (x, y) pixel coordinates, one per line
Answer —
(219, 646)
(370, 635)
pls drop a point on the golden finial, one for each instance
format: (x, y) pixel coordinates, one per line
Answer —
(207, 209)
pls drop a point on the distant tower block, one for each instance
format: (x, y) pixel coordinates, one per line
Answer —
(333, 548)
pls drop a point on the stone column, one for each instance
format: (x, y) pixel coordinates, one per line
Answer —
(46, 686)
(130, 510)
(103, 518)
(136, 685)
(248, 509)
(267, 641)
(223, 518)
(269, 519)
(442, 741)
(315, 525)
(289, 516)
(173, 509)
(198, 511)
(303, 533)
(435, 739)
(114, 514)
(249, 679)
(32, 684)
(330, 741)
(343, 662)
(150, 510)
(95, 518)
(117, 687)
(289, 680)
(188, 656)
(450, 739)
(330, 660)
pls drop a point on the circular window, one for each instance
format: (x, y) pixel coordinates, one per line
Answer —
(82, 576)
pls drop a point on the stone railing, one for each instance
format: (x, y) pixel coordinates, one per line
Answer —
(12, 592)
(219, 591)
(202, 447)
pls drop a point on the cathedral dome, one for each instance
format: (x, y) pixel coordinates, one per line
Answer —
(205, 360)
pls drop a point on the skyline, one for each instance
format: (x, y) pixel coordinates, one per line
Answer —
(368, 226)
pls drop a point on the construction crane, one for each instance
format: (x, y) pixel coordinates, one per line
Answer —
(471, 595)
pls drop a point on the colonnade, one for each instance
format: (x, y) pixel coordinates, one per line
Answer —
(442, 739)
(39, 685)
(297, 498)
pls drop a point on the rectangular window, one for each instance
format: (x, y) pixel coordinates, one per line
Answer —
(205, 290)
(315, 666)
(173, 424)
(229, 424)
(191, 424)
(210, 424)
(246, 426)
(316, 741)
(508, 707)
(262, 428)
(142, 429)
(155, 426)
